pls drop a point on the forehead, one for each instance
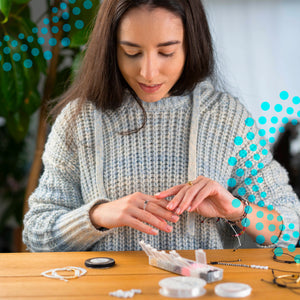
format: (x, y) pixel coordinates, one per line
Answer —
(146, 23)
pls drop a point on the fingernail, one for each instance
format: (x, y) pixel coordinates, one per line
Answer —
(178, 211)
(189, 208)
(157, 194)
(155, 231)
(174, 218)
(169, 228)
(170, 206)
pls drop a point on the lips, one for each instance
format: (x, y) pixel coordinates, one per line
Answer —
(150, 88)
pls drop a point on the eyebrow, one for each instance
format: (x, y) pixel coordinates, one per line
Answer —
(169, 43)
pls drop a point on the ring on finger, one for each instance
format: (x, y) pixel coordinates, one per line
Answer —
(145, 204)
(190, 182)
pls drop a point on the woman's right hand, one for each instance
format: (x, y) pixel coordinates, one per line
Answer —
(129, 211)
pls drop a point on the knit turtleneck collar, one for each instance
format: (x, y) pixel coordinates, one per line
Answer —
(164, 104)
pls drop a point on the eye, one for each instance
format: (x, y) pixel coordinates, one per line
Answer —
(132, 55)
(167, 54)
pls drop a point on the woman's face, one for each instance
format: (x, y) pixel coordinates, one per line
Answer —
(151, 53)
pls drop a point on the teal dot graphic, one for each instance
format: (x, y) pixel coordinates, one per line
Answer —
(236, 203)
(291, 248)
(251, 198)
(284, 95)
(272, 140)
(66, 27)
(7, 67)
(232, 161)
(270, 217)
(279, 218)
(296, 100)
(263, 194)
(65, 42)
(296, 234)
(261, 132)
(243, 153)
(16, 57)
(79, 24)
(291, 226)
(21, 36)
(30, 39)
(0, 57)
(240, 172)
(272, 130)
(55, 19)
(260, 180)
(238, 141)
(55, 10)
(46, 21)
(72, 1)
(87, 4)
(263, 143)
(54, 29)
(265, 106)
(297, 259)
(259, 226)
(35, 51)
(248, 209)
(65, 16)
(48, 55)
(250, 136)
(298, 113)
(76, 11)
(231, 182)
(27, 63)
(261, 203)
(294, 122)
(44, 30)
(41, 40)
(245, 222)
(241, 191)
(255, 188)
(35, 30)
(274, 239)
(256, 157)
(248, 164)
(270, 207)
(248, 181)
(6, 50)
(278, 251)
(274, 120)
(264, 152)
(272, 227)
(290, 110)
(6, 38)
(14, 43)
(278, 107)
(260, 239)
(63, 6)
(286, 237)
(52, 42)
(253, 147)
(262, 120)
(281, 227)
(260, 165)
(259, 214)
(285, 120)
(281, 129)
(253, 172)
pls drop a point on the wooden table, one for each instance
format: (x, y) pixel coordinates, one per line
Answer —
(20, 275)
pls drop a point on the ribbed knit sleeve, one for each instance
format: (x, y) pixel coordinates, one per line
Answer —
(58, 218)
(256, 176)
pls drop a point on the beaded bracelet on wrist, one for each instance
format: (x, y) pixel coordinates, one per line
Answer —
(246, 204)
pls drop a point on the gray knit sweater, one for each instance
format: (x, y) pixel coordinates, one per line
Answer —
(184, 137)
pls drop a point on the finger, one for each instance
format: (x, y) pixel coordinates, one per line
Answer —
(190, 195)
(152, 220)
(169, 192)
(205, 193)
(161, 212)
(138, 225)
(174, 203)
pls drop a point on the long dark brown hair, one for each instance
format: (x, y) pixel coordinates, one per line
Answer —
(99, 79)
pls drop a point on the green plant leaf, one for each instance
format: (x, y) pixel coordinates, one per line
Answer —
(17, 125)
(21, 1)
(5, 6)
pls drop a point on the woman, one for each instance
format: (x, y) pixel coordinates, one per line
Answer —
(141, 124)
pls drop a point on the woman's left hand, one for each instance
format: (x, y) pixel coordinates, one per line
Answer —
(203, 195)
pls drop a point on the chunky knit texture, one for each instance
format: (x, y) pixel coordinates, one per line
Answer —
(184, 137)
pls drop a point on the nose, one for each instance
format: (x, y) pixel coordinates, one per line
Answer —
(149, 68)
